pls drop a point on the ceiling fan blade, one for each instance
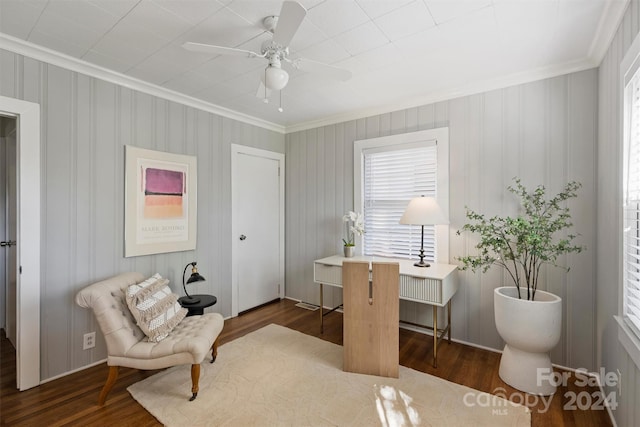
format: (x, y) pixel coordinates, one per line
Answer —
(261, 92)
(291, 16)
(310, 66)
(220, 50)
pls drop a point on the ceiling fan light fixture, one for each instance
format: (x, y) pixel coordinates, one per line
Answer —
(275, 78)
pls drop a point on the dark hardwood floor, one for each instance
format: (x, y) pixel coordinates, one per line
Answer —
(72, 400)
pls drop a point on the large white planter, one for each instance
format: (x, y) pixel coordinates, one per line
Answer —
(530, 330)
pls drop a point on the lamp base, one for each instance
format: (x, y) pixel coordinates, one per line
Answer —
(189, 300)
(421, 263)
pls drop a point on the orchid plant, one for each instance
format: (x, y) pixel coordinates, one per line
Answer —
(354, 224)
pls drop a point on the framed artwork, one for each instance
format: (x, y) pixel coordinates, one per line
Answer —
(160, 202)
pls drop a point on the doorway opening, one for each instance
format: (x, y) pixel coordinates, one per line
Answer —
(8, 136)
(26, 116)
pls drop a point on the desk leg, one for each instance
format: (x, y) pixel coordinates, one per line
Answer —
(449, 321)
(435, 336)
(321, 309)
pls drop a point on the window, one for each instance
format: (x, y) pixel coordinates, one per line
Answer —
(631, 201)
(389, 172)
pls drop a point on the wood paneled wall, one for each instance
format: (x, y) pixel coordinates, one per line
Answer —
(611, 355)
(86, 123)
(544, 132)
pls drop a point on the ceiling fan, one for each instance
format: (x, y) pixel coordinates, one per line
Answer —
(276, 51)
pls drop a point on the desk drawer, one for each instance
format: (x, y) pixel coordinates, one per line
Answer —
(420, 290)
(327, 274)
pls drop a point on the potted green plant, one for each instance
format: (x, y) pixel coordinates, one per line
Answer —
(354, 224)
(527, 318)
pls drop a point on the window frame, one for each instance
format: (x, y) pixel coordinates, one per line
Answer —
(627, 333)
(439, 136)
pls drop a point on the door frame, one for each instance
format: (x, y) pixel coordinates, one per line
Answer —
(236, 151)
(28, 237)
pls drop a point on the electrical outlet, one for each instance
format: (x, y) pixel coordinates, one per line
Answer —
(89, 341)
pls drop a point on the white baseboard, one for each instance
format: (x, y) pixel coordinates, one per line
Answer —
(91, 365)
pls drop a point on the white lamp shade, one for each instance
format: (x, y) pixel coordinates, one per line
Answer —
(275, 78)
(423, 211)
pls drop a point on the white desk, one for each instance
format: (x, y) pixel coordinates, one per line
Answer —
(433, 285)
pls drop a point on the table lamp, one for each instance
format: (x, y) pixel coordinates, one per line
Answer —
(423, 211)
(195, 277)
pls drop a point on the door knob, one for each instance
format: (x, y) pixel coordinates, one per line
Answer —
(8, 243)
(242, 237)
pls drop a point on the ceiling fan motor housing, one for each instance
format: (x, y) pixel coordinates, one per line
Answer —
(274, 52)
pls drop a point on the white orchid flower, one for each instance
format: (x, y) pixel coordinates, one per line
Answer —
(350, 216)
(352, 229)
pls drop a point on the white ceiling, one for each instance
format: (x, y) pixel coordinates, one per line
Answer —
(402, 52)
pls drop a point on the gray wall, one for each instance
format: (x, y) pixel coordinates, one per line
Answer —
(611, 355)
(85, 124)
(543, 132)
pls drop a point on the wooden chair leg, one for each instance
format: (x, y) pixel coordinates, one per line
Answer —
(214, 350)
(111, 380)
(195, 380)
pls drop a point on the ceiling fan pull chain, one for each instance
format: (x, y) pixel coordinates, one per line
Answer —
(266, 100)
(280, 107)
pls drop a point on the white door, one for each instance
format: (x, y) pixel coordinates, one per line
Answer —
(27, 251)
(258, 227)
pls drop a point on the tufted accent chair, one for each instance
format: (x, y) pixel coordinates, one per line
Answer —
(127, 345)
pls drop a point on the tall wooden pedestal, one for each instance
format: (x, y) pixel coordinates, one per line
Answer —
(371, 316)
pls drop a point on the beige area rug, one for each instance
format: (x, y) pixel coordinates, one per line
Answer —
(279, 377)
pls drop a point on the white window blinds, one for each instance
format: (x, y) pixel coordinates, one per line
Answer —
(631, 205)
(392, 177)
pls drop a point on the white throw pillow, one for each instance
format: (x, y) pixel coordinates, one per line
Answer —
(155, 307)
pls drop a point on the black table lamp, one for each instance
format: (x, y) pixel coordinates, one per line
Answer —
(195, 277)
(423, 211)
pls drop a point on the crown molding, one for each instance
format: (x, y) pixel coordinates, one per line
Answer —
(607, 28)
(52, 57)
(451, 93)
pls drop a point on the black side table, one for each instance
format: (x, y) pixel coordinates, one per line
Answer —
(198, 307)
